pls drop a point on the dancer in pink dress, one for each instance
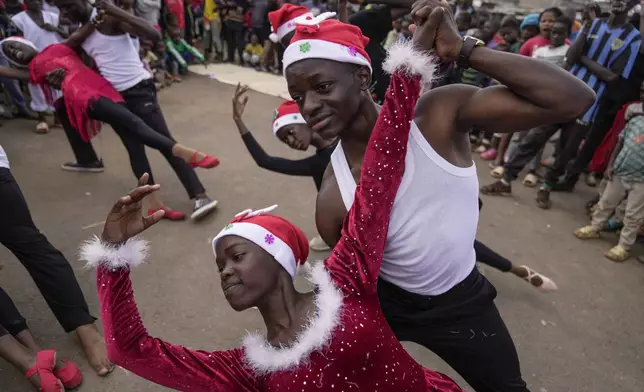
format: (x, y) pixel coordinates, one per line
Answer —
(334, 338)
(89, 98)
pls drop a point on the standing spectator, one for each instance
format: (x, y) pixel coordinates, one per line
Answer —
(259, 11)
(212, 27)
(546, 20)
(148, 10)
(625, 175)
(529, 27)
(395, 34)
(463, 23)
(253, 52)
(510, 33)
(175, 14)
(234, 30)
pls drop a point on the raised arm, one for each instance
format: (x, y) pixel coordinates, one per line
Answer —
(128, 343)
(127, 22)
(532, 93)
(79, 36)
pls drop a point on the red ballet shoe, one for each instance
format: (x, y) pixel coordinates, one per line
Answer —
(206, 162)
(172, 215)
(44, 367)
(69, 375)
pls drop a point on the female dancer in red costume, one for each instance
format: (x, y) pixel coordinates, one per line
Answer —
(334, 338)
(89, 98)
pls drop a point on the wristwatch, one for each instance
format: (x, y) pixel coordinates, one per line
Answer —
(469, 44)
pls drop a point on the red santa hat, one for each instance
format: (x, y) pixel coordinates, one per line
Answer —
(288, 113)
(329, 40)
(283, 240)
(284, 19)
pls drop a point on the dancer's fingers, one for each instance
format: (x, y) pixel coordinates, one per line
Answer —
(141, 192)
(143, 180)
(153, 219)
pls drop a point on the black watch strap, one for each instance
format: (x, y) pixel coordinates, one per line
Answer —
(469, 44)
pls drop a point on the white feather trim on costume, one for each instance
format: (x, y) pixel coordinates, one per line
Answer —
(264, 358)
(132, 253)
(407, 58)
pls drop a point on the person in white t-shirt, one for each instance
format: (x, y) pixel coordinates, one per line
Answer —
(556, 52)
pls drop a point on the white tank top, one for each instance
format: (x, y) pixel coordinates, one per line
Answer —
(430, 243)
(41, 38)
(117, 59)
(4, 161)
(50, 8)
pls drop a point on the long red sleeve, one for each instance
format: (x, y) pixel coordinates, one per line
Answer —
(356, 259)
(177, 367)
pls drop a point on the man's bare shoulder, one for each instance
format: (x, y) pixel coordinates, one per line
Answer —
(439, 99)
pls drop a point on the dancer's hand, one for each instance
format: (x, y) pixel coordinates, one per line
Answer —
(126, 219)
(106, 7)
(239, 101)
(55, 78)
(434, 28)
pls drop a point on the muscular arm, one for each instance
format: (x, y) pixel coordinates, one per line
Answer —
(14, 73)
(133, 25)
(533, 93)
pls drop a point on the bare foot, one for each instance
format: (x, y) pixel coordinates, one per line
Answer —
(94, 347)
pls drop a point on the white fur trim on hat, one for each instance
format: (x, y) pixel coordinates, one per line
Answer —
(262, 238)
(320, 49)
(287, 27)
(132, 253)
(15, 39)
(287, 119)
(264, 358)
(407, 58)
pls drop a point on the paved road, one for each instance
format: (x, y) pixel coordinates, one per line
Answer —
(586, 337)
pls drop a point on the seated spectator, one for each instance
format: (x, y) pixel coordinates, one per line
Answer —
(161, 74)
(181, 54)
(253, 52)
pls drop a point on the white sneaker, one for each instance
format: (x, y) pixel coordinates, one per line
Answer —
(317, 244)
(203, 207)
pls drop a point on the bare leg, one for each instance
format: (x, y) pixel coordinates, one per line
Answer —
(94, 347)
(187, 154)
(26, 339)
(19, 356)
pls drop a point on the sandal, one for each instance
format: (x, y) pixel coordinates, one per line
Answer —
(546, 286)
(531, 180)
(44, 368)
(587, 233)
(617, 254)
(69, 375)
(489, 154)
(498, 172)
(496, 189)
(207, 162)
(42, 127)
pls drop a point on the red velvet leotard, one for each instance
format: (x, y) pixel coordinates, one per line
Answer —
(80, 87)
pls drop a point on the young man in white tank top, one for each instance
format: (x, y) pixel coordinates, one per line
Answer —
(117, 58)
(430, 290)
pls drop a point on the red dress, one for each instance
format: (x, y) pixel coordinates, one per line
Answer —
(347, 346)
(80, 87)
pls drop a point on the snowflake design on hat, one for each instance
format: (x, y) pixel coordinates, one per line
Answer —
(353, 51)
(228, 226)
(305, 47)
(269, 239)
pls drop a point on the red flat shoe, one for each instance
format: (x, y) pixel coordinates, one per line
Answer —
(69, 375)
(44, 367)
(172, 215)
(206, 162)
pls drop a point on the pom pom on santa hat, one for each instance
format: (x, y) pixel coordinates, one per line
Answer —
(284, 19)
(283, 240)
(288, 113)
(327, 40)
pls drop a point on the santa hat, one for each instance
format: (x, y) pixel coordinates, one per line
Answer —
(283, 20)
(329, 40)
(277, 236)
(288, 113)
(15, 39)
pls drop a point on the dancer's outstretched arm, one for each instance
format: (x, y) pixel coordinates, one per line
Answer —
(79, 36)
(14, 73)
(127, 22)
(128, 343)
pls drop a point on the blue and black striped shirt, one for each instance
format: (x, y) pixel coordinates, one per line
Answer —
(615, 49)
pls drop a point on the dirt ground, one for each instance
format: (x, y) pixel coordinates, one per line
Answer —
(586, 337)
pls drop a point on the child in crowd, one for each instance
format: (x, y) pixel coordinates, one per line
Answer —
(463, 23)
(253, 52)
(510, 33)
(181, 54)
(625, 175)
(394, 35)
(529, 27)
(555, 52)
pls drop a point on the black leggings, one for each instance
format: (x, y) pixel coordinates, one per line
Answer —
(462, 326)
(11, 321)
(48, 267)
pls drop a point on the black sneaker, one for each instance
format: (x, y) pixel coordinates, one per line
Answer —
(203, 207)
(95, 167)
